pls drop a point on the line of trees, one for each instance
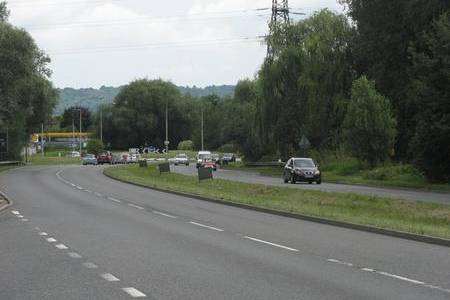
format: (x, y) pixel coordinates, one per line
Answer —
(27, 97)
(376, 85)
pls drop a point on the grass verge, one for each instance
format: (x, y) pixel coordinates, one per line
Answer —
(52, 158)
(413, 217)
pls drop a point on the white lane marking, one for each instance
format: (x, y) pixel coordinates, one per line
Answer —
(134, 292)
(401, 278)
(109, 277)
(135, 206)
(51, 240)
(336, 261)
(90, 265)
(272, 244)
(43, 233)
(61, 247)
(80, 188)
(206, 226)
(368, 270)
(20, 216)
(163, 214)
(24, 220)
(98, 194)
(114, 199)
(74, 255)
(15, 212)
(73, 185)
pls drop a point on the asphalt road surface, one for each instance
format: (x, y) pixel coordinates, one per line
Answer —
(253, 177)
(74, 234)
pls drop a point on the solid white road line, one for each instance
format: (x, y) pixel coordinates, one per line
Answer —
(134, 292)
(74, 255)
(51, 240)
(109, 277)
(90, 265)
(206, 226)
(61, 247)
(114, 199)
(163, 214)
(135, 206)
(272, 244)
(43, 233)
(15, 212)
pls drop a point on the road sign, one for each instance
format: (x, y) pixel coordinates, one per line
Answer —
(304, 143)
(205, 173)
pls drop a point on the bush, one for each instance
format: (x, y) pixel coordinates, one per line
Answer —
(369, 125)
(186, 145)
(394, 172)
(95, 147)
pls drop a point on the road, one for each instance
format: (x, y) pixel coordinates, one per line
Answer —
(74, 234)
(253, 177)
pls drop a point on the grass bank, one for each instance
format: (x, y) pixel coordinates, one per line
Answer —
(53, 158)
(413, 217)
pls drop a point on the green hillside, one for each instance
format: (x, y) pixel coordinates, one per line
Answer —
(92, 98)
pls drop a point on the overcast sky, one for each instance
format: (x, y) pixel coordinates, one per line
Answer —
(189, 42)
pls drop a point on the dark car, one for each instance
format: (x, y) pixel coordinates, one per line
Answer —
(104, 158)
(302, 169)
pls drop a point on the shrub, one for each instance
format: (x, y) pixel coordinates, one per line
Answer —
(369, 125)
(186, 145)
(95, 146)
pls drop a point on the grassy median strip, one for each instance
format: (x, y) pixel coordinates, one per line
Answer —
(413, 217)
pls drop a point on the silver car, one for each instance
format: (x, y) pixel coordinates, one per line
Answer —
(90, 159)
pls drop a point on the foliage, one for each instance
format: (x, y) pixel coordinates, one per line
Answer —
(369, 127)
(186, 145)
(95, 146)
(431, 142)
(27, 96)
(71, 117)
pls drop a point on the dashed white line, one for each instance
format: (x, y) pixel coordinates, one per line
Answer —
(114, 200)
(51, 240)
(109, 277)
(20, 216)
(90, 265)
(134, 292)
(15, 212)
(43, 233)
(206, 226)
(88, 191)
(271, 244)
(24, 220)
(336, 261)
(163, 214)
(74, 255)
(61, 247)
(72, 184)
(80, 188)
(135, 206)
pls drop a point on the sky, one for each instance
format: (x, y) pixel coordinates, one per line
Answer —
(189, 42)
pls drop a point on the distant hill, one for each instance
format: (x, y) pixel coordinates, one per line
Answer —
(92, 98)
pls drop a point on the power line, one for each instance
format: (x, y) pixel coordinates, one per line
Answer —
(118, 48)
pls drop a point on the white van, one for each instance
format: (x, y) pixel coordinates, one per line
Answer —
(203, 156)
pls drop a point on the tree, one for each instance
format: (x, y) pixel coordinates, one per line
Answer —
(369, 126)
(72, 116)
(187, 145)
(95, 146)
(431, 142)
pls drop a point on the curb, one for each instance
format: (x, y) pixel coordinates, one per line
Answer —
(371, 229)
(8, 202)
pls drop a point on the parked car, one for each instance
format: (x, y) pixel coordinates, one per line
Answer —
(116, 159)
(228, 158)
(215, 157)
(302, 169)
(89, 159)
(134, 158)
(181, 159)
(104, 158)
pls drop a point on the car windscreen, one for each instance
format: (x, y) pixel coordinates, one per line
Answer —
(304, 163)
(182, 156)
(204, 156)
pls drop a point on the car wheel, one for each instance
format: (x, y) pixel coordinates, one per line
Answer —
(319, 181)
(310, 182)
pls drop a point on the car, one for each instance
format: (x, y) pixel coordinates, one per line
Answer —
(134, 158)
(203, 156)
(116, 159)
(228, 158)
(302, 169)
(74, 154)
(181, 159)
(89, 159)
(104, 158)
(215, 157)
